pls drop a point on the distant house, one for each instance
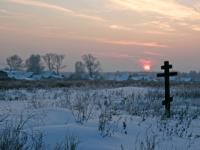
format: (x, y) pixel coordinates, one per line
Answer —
(4, 75)
(142, 76)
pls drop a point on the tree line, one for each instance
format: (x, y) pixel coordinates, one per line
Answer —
(88, 67)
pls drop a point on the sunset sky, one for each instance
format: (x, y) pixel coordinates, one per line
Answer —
(123, 34)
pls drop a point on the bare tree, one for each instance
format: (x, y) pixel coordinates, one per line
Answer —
(54, 62)
(34, 64)
(92, 64)
(80, 71)
(80, 68)
(14, 62)
(58, 62)
(49, 61)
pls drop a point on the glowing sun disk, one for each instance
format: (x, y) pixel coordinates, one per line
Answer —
(147, 67)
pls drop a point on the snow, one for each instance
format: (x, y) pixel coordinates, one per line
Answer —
(56, 121)
(112, 76)
(23, 75)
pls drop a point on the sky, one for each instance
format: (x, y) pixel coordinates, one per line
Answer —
(125, 35)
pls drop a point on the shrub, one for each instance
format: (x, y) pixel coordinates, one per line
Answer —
(70, 143)
(82, 107)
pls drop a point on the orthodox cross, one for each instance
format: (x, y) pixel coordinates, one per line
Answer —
(167, 74)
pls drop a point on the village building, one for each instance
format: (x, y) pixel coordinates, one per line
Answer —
(4, 75)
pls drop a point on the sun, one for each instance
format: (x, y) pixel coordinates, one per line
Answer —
(146, 64)
(147, 67)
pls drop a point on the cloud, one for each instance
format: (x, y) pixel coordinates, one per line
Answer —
(8, 13)
(136, 43)
(156, 32)
(123, 42)
(119, 27)
(167, 8)
(152, 53)
(195, 27)
(119, 42)
(163, 25)
(56, 8)
(114, 55)
(145, 61)
(4, 11)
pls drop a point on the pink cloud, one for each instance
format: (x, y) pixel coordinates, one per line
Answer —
(145, 62)
(136, 43)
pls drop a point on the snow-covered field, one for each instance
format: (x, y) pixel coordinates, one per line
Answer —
(129, 118)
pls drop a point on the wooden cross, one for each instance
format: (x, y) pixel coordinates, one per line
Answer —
(166, 75)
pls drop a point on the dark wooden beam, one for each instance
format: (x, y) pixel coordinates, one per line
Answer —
(167, 74)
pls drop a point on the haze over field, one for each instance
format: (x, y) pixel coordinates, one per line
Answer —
(123, 34)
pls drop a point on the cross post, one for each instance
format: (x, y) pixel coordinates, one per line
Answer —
(167, 74)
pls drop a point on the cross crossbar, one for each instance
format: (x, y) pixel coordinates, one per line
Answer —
(173, 74)
(164, 74)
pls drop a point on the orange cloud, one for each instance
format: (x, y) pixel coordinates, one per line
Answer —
(119, 27)
(168, 8)
(195, 27)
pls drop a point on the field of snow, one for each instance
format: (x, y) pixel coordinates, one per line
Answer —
(128, 118)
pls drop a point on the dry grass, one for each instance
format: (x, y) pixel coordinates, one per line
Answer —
(17, 84)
